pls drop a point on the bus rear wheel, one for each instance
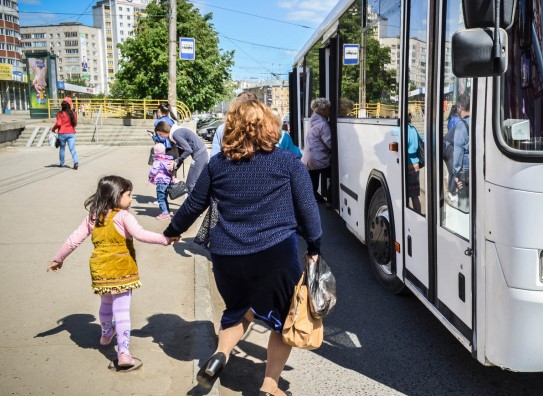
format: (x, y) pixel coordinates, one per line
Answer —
(380, 242)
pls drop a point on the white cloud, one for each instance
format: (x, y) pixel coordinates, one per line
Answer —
(308, 11)
(38, 19)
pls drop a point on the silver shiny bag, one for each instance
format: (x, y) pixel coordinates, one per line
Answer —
(322, 287)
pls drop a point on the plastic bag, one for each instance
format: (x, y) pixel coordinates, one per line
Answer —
(53, 139)
(322, 286)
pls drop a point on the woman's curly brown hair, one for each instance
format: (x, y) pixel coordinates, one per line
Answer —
(250, 127)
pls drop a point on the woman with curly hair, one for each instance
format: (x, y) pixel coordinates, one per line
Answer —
(261, 194)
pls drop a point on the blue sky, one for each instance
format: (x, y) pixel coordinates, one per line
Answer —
(265, 34)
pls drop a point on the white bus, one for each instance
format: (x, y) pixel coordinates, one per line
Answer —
(466, 236)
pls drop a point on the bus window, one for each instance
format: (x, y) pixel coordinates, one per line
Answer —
(417, 54)
(313, 73)
(523, 83)
(454, 133)
(369, 82)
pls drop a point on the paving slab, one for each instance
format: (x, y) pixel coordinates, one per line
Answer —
(50, 332)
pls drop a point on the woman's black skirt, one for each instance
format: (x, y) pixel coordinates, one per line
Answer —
(262, 282)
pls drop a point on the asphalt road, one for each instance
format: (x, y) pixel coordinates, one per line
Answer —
(375, 343)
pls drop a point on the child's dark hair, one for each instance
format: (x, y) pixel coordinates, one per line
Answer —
(107, 197)
(165, 108)
(65, 107)
(163, 126)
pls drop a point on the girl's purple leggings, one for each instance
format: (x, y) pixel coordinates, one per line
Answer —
(115, 314)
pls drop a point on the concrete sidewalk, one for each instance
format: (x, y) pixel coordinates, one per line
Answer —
(49, 321)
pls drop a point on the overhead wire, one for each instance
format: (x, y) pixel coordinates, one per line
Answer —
(232, 40)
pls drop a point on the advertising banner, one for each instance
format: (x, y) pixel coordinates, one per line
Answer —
(6, 71)
(39, 89)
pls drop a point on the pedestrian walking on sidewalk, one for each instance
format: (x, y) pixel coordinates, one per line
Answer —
(161, 176)
(189, 144)
(113, 267)
(65, 125)
(260, 193)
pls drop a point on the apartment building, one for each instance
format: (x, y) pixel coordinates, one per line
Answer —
(274, 93)
(13, 89)
(117, 19)
(78, 48)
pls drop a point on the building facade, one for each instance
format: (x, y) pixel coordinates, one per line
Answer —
(78, 49)
(13, 90)
(117, 19)
(274, 94)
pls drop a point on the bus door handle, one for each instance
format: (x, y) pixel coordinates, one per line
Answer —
(468, 252)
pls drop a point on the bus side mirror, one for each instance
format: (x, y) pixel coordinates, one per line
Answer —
(473, 53)
(480, 13)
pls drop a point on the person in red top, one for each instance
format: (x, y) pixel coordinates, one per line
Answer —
(65, 125)
(68, 99)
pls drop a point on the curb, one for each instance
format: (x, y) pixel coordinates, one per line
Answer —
(203, 315)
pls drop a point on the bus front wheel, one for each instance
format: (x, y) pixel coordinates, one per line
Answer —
(380, 242)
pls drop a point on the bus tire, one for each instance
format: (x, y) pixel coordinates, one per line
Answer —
(380, 242)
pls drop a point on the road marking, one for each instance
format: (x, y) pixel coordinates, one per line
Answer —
(354, 339)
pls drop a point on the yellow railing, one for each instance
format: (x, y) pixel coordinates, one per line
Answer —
(118, 108)
(382, 110)
(375, 110)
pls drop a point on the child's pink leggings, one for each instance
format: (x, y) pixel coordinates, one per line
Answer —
(116, 308)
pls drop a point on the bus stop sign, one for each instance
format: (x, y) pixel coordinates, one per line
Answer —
(350, 54)
(187, 48)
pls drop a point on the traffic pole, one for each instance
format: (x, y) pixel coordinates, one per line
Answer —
(172, 57)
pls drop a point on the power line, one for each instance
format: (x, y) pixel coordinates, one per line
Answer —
(253, 15)
(80, 15)
(260, 45)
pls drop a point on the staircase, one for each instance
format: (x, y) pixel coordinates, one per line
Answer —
(36, 134)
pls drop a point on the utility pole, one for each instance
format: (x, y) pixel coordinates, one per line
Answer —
(172, 57)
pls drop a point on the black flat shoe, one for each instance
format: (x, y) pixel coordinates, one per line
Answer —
(208, 374)
(262, 393)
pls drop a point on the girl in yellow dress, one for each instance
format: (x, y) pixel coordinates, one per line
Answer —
(113, 267)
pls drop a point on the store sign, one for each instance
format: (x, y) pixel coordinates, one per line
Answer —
(18, 76)
(6, 71)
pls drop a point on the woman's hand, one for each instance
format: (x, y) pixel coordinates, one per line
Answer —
(173, 240)
(55, 266)
(459, 184)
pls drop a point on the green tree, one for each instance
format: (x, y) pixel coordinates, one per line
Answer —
(380, 81)
(77, 81)
(144, 66)
(378, 78)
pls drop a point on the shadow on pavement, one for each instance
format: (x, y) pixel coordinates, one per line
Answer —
(83, 332)
(172, 334)
(246, 367)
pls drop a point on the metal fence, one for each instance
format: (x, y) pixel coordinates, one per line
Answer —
(117, 108)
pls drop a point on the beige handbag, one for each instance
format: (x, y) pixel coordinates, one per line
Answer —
(301, 329)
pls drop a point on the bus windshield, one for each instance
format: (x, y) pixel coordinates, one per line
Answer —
(522, 127)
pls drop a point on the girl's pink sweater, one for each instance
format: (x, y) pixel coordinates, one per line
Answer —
(125, 223)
